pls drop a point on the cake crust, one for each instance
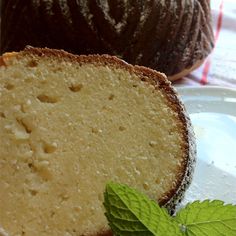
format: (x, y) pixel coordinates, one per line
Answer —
(171, 198)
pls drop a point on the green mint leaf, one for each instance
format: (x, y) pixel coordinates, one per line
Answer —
(133, 214)
(208, 218)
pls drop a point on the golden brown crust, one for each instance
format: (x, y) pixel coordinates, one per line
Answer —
(157, 79)
(97, 60)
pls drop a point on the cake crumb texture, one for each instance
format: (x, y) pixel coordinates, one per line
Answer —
(68, 125)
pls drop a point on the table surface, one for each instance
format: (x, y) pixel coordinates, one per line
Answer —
(219, 69)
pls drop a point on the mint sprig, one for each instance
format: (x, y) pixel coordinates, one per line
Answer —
(130, 213)
(208, 218)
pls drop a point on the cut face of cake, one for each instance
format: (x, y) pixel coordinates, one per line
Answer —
(69, 124)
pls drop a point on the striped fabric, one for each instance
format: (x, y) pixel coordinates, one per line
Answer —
(220, 67)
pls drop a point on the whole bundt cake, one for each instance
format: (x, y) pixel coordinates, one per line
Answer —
(171, 36)
(69, 124)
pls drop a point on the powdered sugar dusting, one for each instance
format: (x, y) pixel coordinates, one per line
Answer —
(35, 3)
(85, 11)
(118, 26)
(65, 9)
(48, 6)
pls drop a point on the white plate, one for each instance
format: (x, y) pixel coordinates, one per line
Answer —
(213, 114)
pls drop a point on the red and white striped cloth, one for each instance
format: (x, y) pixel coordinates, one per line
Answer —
(220, 67)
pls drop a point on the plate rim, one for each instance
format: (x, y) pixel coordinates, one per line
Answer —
(205, 88)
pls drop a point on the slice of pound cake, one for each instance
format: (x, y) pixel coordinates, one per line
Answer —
(69, 124)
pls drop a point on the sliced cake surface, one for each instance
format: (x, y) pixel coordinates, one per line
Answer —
(69, 124)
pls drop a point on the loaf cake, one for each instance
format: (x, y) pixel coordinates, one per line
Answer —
(171, 36)
(69, 124)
